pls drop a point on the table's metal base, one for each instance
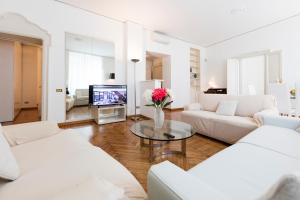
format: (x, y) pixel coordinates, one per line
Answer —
(153, 145)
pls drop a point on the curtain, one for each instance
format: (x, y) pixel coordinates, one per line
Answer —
(84, 70)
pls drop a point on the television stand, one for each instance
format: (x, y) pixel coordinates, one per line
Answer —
(109, 114)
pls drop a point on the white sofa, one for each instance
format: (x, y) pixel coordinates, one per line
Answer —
(61, 164)
(202, 116)
(246, 170)
(69, 102)
(81, 97)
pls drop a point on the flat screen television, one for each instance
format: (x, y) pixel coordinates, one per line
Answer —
(104, 95)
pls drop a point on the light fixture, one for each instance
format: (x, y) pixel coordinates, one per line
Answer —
(135, 60)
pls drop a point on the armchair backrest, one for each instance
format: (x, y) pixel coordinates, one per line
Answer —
(82, 92)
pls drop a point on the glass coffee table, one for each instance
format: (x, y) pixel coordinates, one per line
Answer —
(171, 131)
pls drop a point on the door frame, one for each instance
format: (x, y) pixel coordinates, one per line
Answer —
(16, 24)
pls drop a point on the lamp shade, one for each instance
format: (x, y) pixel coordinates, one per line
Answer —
(112, 76)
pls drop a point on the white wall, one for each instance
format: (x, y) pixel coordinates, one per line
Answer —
(6, 81)
(281, 36)
(130, 41)
(134, 39)
(57, 19)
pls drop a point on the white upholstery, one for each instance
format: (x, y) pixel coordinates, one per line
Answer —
(227, 108)
(247, 106)
(287, 188)
(281, 121)
(9, 168)
(246, 170)
(57, 163)
(282, 140)
(225, 128)
(229, 129)
(81, 97)
(91, 189)
(28, 132)
(193, 106)
(181, 184)
(70, 101)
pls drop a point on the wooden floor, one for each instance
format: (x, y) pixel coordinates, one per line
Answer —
(79, 113)
(117, 140)
(25, 116)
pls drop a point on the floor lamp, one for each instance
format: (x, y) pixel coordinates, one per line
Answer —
(135, 118)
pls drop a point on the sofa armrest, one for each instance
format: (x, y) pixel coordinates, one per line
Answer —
(281, 121)
(169, 182)
(28, 132)
(193, 106)
(258, 117)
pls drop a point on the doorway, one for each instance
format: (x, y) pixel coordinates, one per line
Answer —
(21, 71)
(158, 67)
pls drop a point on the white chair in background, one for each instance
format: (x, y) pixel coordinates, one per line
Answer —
(282, 95)
(297, 113)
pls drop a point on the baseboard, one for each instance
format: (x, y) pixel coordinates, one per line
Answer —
(174, 109)
(62, 124)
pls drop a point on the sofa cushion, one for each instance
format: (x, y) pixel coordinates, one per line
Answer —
(8, 166)
(91, 189)
(287, 188)
(247, 105)
(283, 140)
(28, 132)
(227, 108)
(244, 171)
(226, 128)
(53, 164)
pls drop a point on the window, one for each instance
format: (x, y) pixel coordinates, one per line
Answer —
(84, 70)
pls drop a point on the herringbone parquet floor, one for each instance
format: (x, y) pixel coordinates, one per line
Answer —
(117, 140)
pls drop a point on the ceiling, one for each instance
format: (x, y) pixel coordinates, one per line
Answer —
(203, 22)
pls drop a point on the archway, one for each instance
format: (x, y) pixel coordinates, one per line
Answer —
(16, 24)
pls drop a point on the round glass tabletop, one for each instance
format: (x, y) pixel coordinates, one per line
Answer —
(179, 130)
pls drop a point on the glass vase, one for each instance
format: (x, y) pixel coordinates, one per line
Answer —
(159, 118)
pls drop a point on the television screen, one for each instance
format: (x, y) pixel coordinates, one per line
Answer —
(101, 95)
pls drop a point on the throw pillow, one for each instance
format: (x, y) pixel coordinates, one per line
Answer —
(227, 108)
(287, 188)
(8, 166)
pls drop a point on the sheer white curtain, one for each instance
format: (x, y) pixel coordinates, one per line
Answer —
(84, 70)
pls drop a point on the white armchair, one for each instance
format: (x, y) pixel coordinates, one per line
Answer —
(281, 121)
(168, 182)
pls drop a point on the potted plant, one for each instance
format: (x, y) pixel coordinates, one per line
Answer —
(158, 98)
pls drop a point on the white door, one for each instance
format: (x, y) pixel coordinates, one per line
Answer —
(233, 76)
(252, 75)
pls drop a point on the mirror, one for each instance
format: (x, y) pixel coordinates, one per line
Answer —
(252, 74)
(89, 61)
